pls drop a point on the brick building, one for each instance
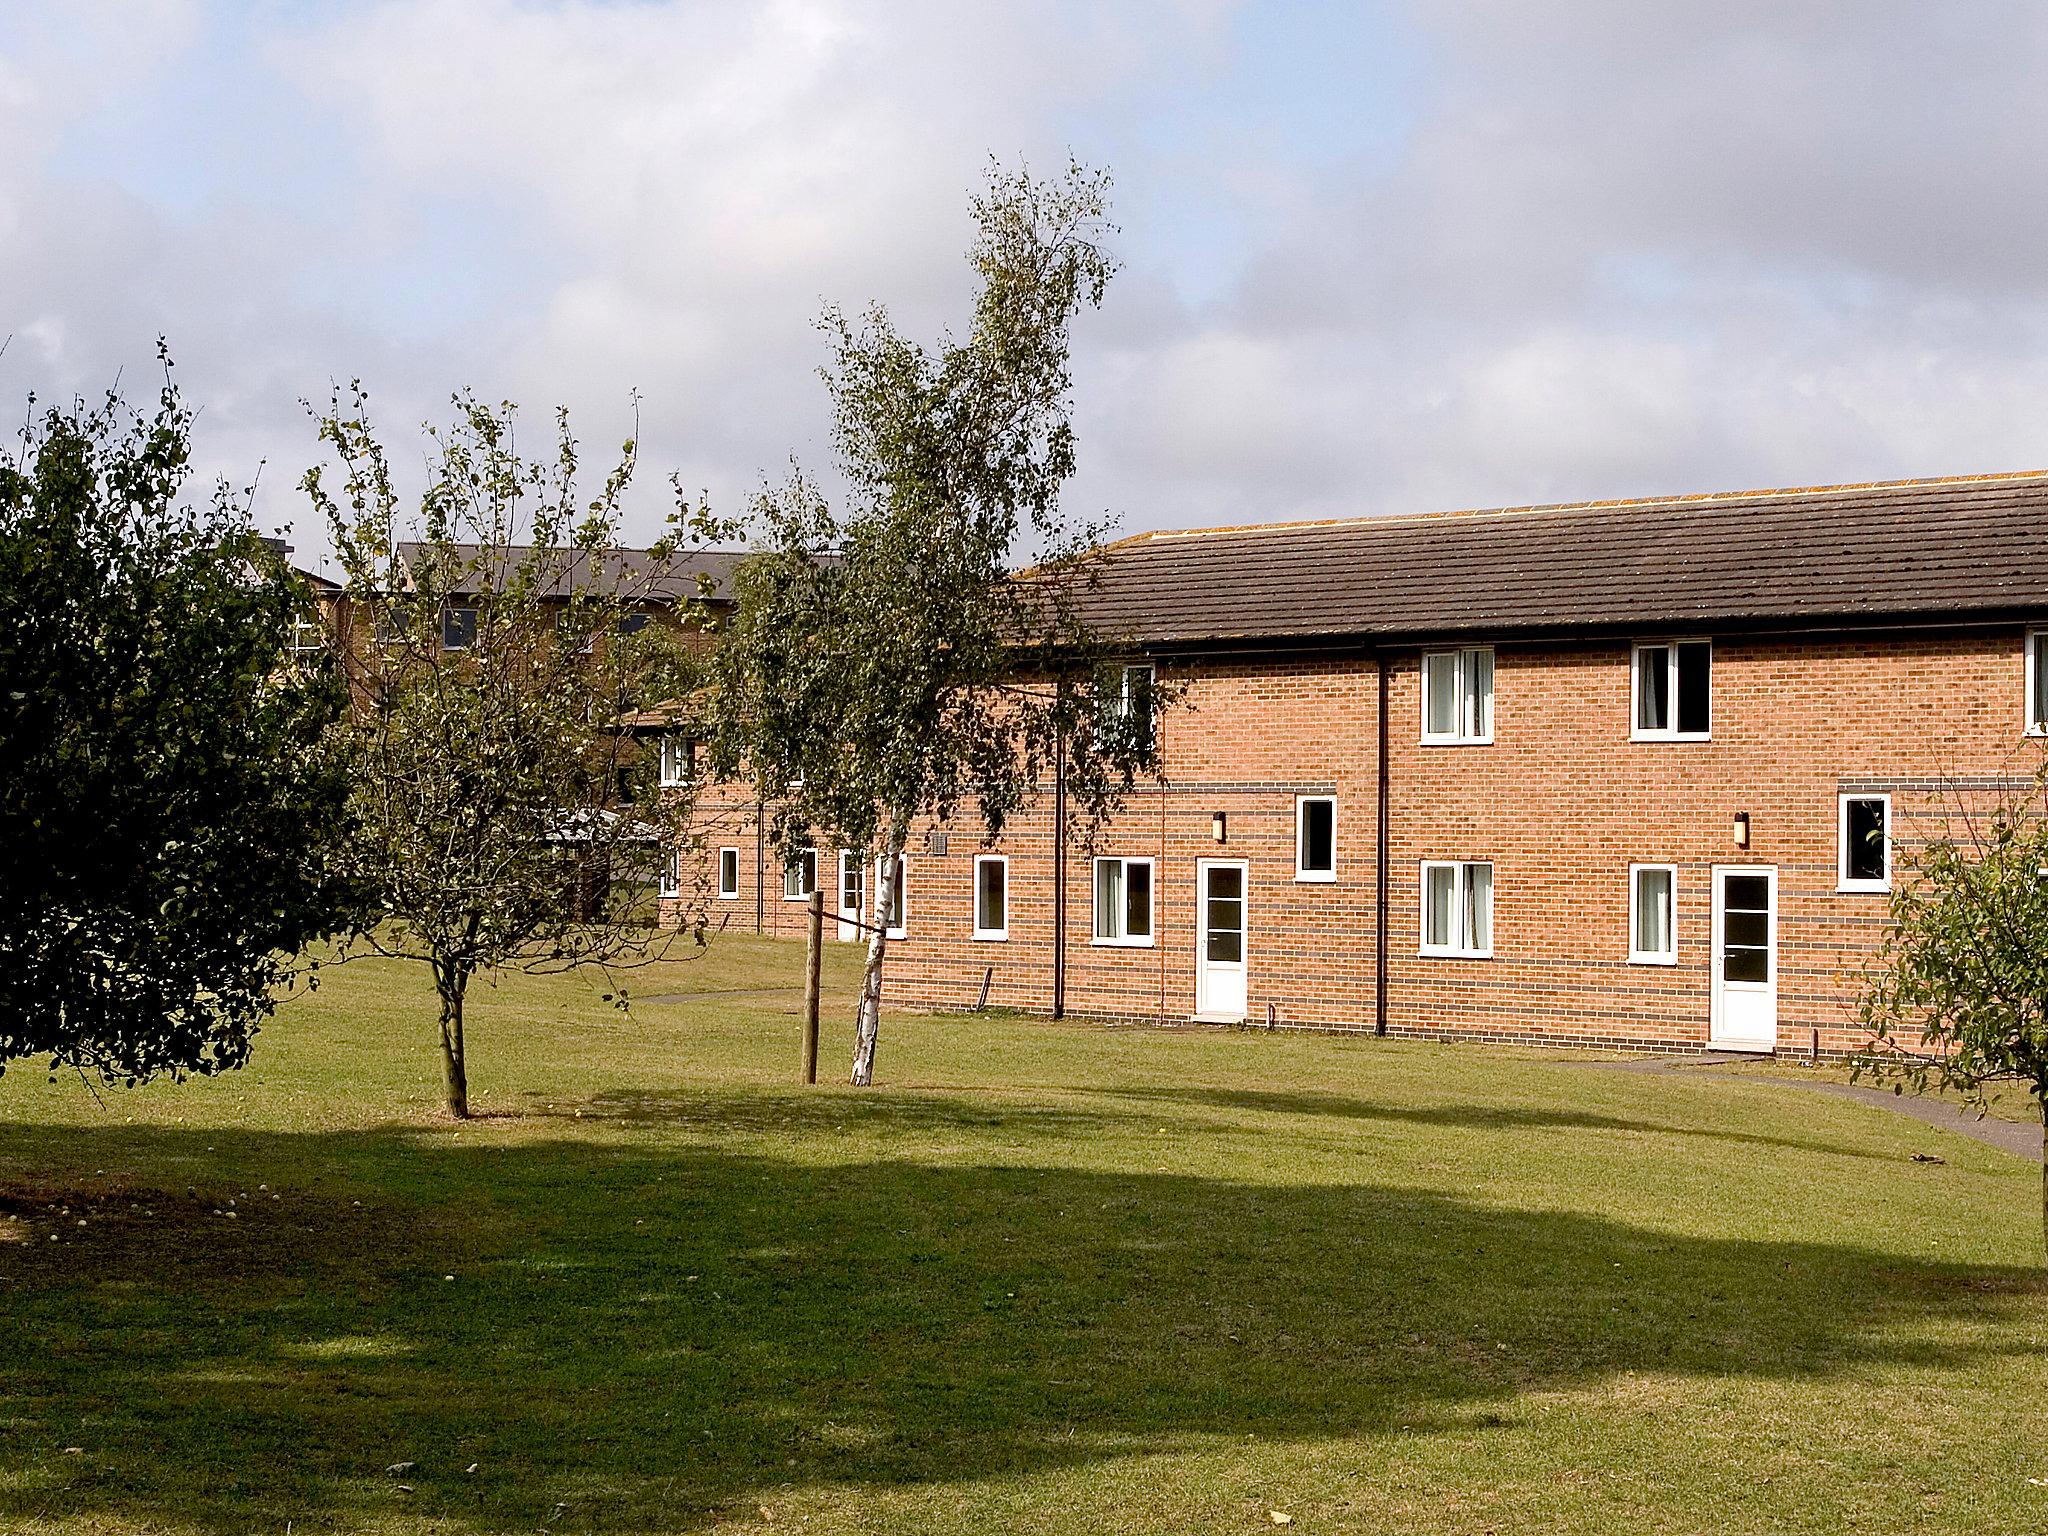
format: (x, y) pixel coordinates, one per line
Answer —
(1627, 774)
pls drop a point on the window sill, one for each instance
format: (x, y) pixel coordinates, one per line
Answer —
(1863, 888)
(728, 895)
(1315, 877)
(1457, 741)
(1120, 943)
(1455, 954)
(1670, 736)
(1002, 937)
(1667, 961)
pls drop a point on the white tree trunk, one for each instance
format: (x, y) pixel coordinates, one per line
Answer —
(868, 1020)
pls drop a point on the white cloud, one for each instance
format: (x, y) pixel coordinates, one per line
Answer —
(700, 179)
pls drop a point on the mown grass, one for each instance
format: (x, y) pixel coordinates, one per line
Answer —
(1044, 1278)
(2004, 1100)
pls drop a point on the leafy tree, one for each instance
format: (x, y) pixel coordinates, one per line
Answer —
(167, 813)
(1958, 996)
(504, 666)
(884, 665)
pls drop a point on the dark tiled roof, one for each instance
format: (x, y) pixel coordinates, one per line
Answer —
(635, 570)
(1925, 549)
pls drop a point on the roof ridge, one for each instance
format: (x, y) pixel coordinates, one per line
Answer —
(570, 549)
(1387, 519)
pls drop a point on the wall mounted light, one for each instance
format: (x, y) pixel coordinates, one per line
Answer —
(1742, 829)
(1219, 826)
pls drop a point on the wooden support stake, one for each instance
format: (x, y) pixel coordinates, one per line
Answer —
(988, 975)
(814, 957)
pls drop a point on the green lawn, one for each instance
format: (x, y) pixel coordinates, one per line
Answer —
(2001, 1100)
(1043, 1279)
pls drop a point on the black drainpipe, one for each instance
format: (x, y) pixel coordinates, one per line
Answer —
(1059, 877)
(760, 865)
(1380, 870)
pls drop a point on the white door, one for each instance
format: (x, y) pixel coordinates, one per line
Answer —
(1745, 958)
(1220, 941)
(852, 894)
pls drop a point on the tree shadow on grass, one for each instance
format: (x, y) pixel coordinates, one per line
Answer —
(980, 1111)
(636, 1340)
(1463, 1116)
(876, 1111)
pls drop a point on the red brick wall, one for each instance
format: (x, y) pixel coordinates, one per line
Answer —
(1561, 803)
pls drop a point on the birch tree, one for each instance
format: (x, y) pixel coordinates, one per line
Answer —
(887, 663)
(504, 664)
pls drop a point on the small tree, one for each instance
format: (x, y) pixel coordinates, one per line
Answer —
(167, 811)
(1958, 995)
(505, 668)
(884, 664)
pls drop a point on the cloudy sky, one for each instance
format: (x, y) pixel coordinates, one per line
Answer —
(1377, 257)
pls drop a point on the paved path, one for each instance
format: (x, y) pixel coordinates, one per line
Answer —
(2021, 1139)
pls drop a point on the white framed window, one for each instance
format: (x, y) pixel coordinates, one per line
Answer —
(1653, 914)
(991, 896)
(1315, 837)
(678, 760)
(672, 873)
(1457, 908)
(394, 621)
(1457, 696)
(899, 899)
(2037, 682)
(1863, 842)
(1671, 691)
(800, 874)
(1123, 902)
(309, 640)
(728, 874)
(1134, 699)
